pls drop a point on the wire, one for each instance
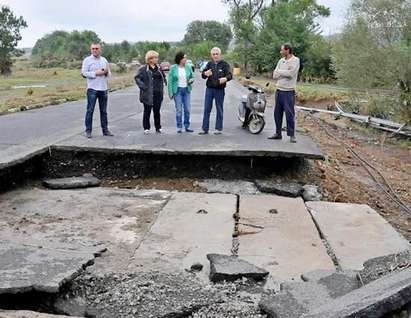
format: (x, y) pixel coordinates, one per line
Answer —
(368, 167)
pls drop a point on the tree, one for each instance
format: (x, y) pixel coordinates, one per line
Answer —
(208, 31)
(261, 27)
(374, 51)
(244, 16)
(61, 48)
(10, 27)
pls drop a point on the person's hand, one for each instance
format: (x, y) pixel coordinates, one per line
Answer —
(223, 80)
(208, 73)
(100, 73)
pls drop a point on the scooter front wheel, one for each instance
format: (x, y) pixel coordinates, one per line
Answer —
(256, 125)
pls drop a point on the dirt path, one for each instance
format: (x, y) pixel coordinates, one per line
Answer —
(344, 179)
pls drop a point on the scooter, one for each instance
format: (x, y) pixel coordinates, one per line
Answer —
(251, 110)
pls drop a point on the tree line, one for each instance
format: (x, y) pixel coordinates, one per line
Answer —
(373, 50)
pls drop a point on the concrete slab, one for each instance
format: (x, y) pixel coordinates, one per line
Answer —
(188, 228)
(26, 268)
(28, 314)
(288, 245)
(355, 232)
(117, 219)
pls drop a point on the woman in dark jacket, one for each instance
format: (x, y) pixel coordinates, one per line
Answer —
(151, 80)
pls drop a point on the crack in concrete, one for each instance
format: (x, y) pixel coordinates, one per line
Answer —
(327, 245)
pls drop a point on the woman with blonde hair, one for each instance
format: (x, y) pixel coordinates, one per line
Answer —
(151, 80)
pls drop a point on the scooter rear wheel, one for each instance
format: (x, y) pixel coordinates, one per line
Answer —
(256, 125)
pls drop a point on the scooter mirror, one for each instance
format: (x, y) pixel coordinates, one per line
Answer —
(267, 84)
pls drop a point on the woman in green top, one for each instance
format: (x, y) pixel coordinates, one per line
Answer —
(180, 80)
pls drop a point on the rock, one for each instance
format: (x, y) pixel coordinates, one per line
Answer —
(376, 267)
(197, 267)
(311, 193)
(27, 314)
(280, 188)
(231, 268)
(72, 182)
(339, 295)
(316, 275)
(222, 186)
(297, 298)
(25, 268)
(376, 299)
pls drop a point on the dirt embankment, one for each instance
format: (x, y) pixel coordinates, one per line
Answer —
(343, 177)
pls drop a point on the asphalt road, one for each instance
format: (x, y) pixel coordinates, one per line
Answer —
(26, 133)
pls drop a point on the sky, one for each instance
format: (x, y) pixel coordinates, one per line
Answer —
(117, 20)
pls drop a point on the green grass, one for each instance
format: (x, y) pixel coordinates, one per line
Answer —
(310, 93)
(61, 85)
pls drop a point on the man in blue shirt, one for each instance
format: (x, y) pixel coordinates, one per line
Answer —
(96, 70)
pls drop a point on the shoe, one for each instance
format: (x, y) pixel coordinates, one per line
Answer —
(203, 132)
(146, 132)
(189, 130)
(293, 139)
(88, 134)
(108, 133)
(159, 131)
(179, 131)
(218, 132)
(276, 137)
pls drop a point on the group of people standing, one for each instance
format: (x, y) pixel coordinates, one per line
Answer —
(152, 82)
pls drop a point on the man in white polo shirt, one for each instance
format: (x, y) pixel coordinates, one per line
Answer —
(97, 71)
(286, 73)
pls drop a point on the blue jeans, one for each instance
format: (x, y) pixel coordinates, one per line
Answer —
(210, 95)
(92, 96)
(182, 101)
(284, 103)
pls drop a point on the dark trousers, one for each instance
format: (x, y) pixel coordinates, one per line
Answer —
(92, 97)
(210, 95)
(157, 100)
(284, 103)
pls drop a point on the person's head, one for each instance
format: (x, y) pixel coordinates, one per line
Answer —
(95, 49)
(216, 54)
(152, 57)
(286, 50)
(181, 58)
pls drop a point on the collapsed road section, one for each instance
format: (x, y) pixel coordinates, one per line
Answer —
(168, 254)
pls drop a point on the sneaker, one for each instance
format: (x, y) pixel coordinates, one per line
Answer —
(189, 130)
(179, 131)
(146, 132)
(203, 132)
(276, 137)
(88, 134)
(293, 139)
(108, 133)
(159, 131)
(218, 132)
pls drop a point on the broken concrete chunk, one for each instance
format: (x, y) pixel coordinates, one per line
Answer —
(25, 268)
(28, 314)
(284, 189)
(72, 182)
(222, 186)
(231, 268)
(380, 297)
(316, 275)
(376, 267)
(338, 295)
(311, 193)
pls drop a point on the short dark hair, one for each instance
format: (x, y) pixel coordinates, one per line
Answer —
(288, 47)
(179, 56)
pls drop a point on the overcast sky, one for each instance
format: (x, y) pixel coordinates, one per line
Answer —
(117, 20)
